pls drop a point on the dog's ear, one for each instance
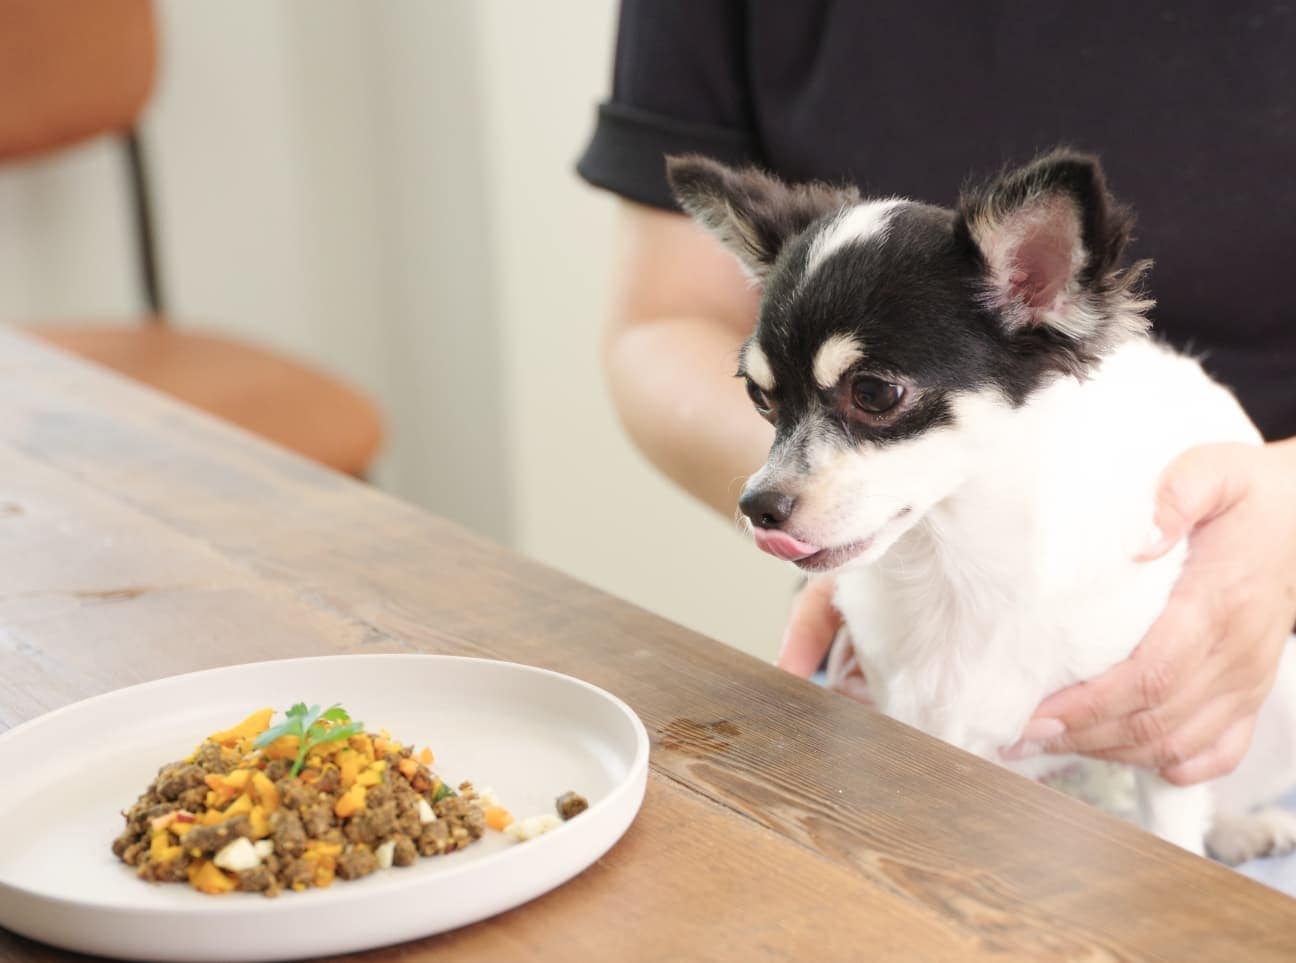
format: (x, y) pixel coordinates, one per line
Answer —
(1052, 237)
(752, 213)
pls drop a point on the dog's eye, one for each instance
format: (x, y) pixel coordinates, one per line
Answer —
(875, 395)
(758, 397)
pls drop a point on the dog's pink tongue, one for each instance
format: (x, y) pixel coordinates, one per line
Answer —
(782, 545)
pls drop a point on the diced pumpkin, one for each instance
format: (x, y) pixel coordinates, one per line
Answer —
(350, 802)
(363, 745)
(349, 763)
(409, 768)
(381, 745)
(259, 820)
(251, 727)
(370, 777)
(206, 877)
(267, 792)
(285, 747)
(239, 807)
(238, 779)
(426, 756)
(158, 844)
(497, 817)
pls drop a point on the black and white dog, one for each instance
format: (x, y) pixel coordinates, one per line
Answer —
(970, 424)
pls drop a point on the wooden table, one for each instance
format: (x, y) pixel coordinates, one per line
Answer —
(139, 539)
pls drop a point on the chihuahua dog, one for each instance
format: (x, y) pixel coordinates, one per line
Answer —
(970, 422)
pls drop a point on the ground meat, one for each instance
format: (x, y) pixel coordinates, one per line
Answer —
(131, 853)
(170, 872)
(174, 780)
(208, 840)
(569, 804)
(434, 839)
(376, 822)
(318, 819)
(287, 833)
(330, 781)
(276, 769)
(212, 758)
(194, 799)
(297, 874)
(259, 879)
(356, 861)
(296, 795)
(407, 814)
(405, 853)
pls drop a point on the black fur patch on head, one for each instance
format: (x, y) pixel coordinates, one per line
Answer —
(752, 213)
(1020, 284)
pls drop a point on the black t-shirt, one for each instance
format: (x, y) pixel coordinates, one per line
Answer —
(1191, 105)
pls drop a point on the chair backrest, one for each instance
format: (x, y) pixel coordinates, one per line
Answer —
(72, 69)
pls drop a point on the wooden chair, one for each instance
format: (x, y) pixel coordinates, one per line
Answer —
(75, 69)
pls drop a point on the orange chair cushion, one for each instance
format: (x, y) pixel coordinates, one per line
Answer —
(72, 69)
(282, 400)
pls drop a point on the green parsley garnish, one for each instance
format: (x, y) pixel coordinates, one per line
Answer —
(442, 791)
(312, 728)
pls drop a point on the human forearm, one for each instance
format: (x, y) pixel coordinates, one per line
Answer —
(673, 387)
(681, 309)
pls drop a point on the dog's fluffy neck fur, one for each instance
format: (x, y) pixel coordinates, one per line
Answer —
(980, 581)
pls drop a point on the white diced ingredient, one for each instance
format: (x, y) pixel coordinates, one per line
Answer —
(426, 815)
(384, 854)
(533, 826)
(487, 797)
(237, 856)
(263, 847)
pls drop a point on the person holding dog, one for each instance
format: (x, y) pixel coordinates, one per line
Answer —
(1186, 108)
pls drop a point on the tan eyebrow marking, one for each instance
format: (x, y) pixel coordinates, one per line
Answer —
(756, 366)
(834, 358)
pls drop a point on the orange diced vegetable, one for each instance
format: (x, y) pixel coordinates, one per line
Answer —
(408, 767)
(363, 745)
(238, 779)
(349, 763)
(251, 727)
(350, 802)
(259, 820)
(380, 746)
(207, 877)
(239, 807)
(497, 817)
(285, 747)
(267, 792)
(425, 756)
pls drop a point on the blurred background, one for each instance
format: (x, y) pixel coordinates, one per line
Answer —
(385, 192)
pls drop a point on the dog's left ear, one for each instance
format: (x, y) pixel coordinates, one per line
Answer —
(752, 213)
(1052, 237)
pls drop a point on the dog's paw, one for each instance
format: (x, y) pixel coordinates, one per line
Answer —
(1236, 839)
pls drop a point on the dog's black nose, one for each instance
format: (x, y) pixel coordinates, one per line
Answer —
(767, 508)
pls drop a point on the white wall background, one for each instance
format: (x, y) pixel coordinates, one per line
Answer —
(387, 190)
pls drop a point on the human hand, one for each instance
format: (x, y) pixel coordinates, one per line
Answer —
(1185, 702)
(812, 627)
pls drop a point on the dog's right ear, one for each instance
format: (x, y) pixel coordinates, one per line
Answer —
(752, 213)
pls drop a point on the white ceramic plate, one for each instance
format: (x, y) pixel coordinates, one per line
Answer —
(527, 733)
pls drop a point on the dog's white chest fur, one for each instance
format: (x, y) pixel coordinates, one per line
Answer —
(1024, 580)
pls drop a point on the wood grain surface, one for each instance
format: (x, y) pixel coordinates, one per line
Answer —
(139, 539)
